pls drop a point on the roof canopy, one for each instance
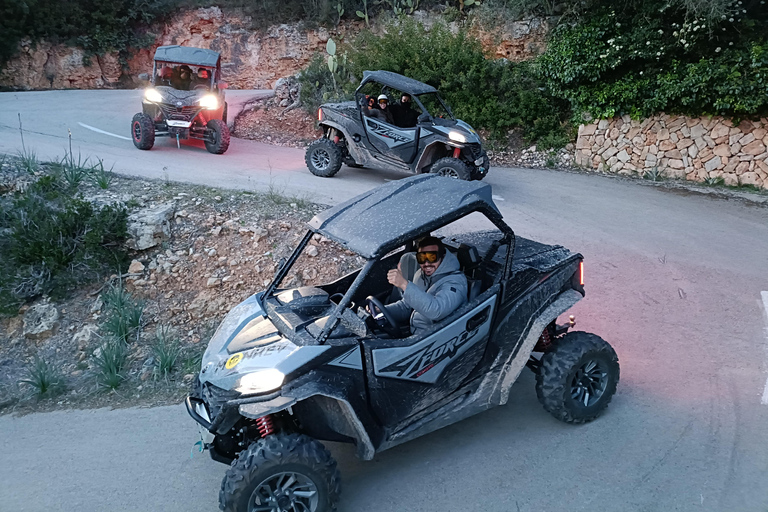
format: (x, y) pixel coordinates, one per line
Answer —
(399, 82)
(187, 55)
(386, 217)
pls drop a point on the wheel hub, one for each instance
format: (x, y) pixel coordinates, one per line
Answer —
(448, 172)
(589, 383)
(321, 159)
(285, 492)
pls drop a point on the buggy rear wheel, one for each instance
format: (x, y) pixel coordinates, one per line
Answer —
(323, 158)
(216, 136)
(143, 131)
(452, 168)
(282, 472)
(578, 378)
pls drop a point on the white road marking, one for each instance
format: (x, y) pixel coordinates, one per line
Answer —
(764, 400)
(102, 131)
(497, 198)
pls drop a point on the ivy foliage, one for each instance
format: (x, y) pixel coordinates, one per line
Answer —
(490, 94)
(644, 57)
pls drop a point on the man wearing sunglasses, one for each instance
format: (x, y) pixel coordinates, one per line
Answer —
(439, 287)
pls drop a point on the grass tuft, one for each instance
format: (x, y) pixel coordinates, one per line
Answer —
(45, 378)
(109, 361)
(654, 174)
(166, 350)
(123, 313)
(101, 177)
(28, 160)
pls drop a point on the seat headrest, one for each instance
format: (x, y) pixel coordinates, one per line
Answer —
(469, 257)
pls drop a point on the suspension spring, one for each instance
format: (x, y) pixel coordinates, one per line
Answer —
(265, 425)
(545, 341)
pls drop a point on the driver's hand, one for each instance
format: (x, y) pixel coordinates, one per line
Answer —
(395, 278)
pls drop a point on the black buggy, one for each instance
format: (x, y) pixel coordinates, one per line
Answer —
(294, 365)
(426, 139)
(185, 100)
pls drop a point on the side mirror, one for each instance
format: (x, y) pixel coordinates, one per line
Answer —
(144, 77)
(223, 85)
(424, 118)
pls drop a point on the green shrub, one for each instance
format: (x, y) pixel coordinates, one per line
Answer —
(51, 241)
(319, 85)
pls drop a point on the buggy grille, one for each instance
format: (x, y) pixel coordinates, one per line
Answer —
(216, 397)
(186, 113)
(475, 150)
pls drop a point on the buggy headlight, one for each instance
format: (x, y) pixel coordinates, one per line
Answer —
(209, 101)
(457, 136)
(260, 381)
(153, 96)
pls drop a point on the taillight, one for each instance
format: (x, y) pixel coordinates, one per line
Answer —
(577, 279)
(319, 114)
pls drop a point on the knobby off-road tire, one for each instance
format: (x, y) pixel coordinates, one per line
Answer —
(452, 168)
(577, 379)
(143, 131)
(282, 461)
(217, 136)
(323, 158)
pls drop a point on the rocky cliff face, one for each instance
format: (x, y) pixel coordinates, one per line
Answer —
(251, 59)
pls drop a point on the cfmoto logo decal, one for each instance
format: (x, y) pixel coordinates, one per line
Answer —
(233, 360)
(420, 362)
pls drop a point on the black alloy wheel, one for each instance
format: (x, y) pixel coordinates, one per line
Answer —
(323, 158)
(577, 379)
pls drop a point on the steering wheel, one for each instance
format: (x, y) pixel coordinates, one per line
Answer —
(385, 321)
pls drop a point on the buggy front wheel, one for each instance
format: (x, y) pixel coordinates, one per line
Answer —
(143, 131)
(452, 168)
(216, 136)
(282, 472)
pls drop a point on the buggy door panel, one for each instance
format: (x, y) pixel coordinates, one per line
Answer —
(406, 376)
(398, 143)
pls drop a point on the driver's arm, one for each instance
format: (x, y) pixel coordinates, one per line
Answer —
(448, 298)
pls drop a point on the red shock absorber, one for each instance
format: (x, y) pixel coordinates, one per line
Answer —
(266, 426)
(456, 152)
(544, 341)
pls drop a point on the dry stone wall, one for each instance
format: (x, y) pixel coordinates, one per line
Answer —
(695, 149)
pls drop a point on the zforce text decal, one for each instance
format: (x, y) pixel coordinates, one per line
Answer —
(416, 365)
(425, 360)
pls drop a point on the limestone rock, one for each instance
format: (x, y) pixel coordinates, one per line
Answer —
(150, 227)
(136, 267)
(41, 321)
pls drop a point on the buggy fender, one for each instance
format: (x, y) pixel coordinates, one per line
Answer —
(352, 148)
(347, 418)
(517, 359)
(428, 155)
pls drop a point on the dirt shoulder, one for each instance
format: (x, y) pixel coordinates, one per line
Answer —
(223, 246)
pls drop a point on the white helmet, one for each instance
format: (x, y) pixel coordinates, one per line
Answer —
(383, 97)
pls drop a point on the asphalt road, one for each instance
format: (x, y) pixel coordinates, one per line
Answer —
(676, 281)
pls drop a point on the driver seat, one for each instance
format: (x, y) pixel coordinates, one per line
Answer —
(469, 260)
